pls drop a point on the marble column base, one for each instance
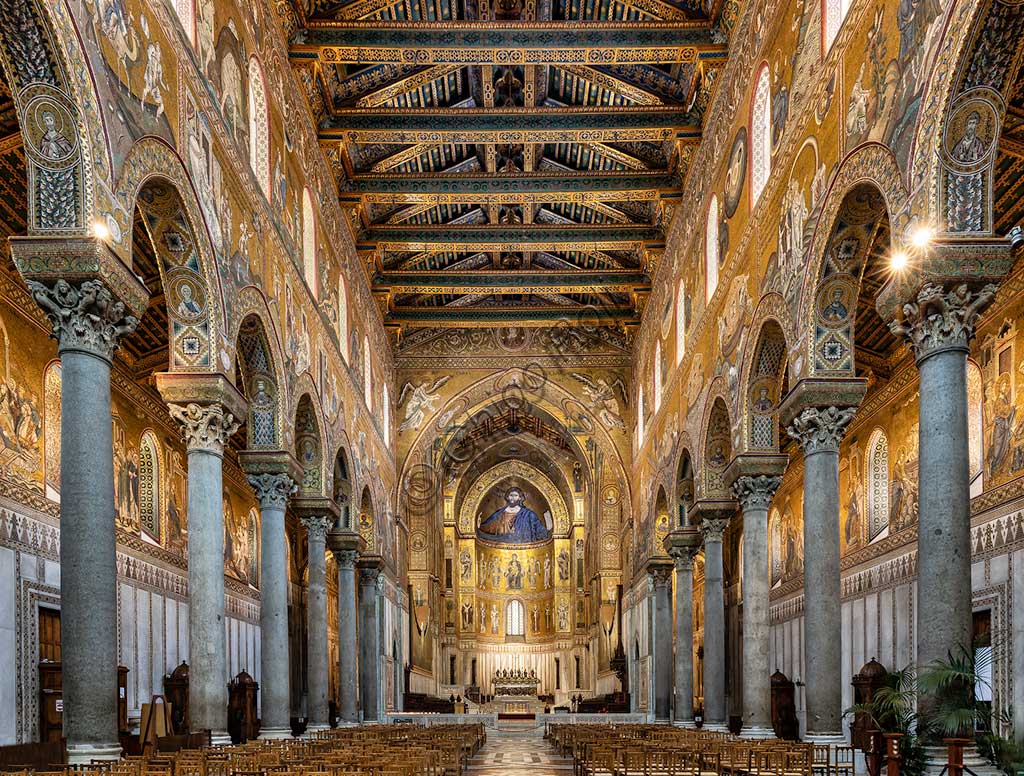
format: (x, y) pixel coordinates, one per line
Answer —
(272, 734)
(825, 739)
(685, 723)
(716, 727)
(757, 732)
(936, 758)
(86, 753)
(310, 729)
(220, 738)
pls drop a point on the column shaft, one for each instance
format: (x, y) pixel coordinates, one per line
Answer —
(275, 709)
(370, 646)
(684, 640)
(714, 627)
(822, 623)
(347, 645)
(662, 642)
(88, 565)
(316, 623)
(208, 668)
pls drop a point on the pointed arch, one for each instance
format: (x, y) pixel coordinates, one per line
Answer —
(257, 378)
(310, 259)
(717, 449)
(309, 441)
(975, 427)
(711, 257)
(760, 134)
(259, 127)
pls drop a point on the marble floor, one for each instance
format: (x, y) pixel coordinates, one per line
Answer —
(518, 749)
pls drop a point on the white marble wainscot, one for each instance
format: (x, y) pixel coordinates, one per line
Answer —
(152, 591)
(394, 631)
(879, 602)
(637, 620)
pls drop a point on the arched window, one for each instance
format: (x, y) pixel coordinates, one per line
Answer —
(711, 249)
(254, 547)
(760, 136)
(367, 374)
(259, 127)
(639, 416)
(975, 428)
(51, 430)
(833, 12)
(386, 412)
(657, 376)
(343, 319)
(878, 484)
(680, 322)
(149, 486)
(515, 621)
(186, 10)
(309, 257)
(775, 545)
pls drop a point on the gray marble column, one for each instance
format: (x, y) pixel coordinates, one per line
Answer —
(714, 626)
(272, 492)
(87, 323)
(755, 493)
(661, 583)
(206, 430)
(348, 648)
(683, 714)
(371, 647)
(316, 622)
(819, 431)
(939, 327)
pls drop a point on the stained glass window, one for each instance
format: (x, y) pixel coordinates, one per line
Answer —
(760, 136)
(367, 374)
(711, 249)
(657, 376)
(309, 257)
(975, 427)
(186, 10)
(149, 486)
(878, 484)
(834, 12)
(51, 428)
(515, 620)
(259, 126)
(680, 322)
(343, 318)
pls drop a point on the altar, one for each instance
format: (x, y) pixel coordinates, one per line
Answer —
(515, 694)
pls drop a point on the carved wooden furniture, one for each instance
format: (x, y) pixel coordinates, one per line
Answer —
(784, 720)
(176, 693)
(243, 724)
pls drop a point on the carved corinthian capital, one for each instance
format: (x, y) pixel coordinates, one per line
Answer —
(85, 316)
(940, 319)
(346, 559)
(317, 527)
(272, 490)
(713, 530)
(204, 426)
(755, 491)
(684, 557)
(821, 429)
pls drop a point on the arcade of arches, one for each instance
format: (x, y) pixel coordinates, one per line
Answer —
(384, 358)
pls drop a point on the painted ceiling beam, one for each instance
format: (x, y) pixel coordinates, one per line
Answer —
(510, 189)
(480, 317)
(508, 125)
(514, 282)
(505, 43)
(510, 238)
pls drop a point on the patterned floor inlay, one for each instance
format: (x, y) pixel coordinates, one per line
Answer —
(517, 750)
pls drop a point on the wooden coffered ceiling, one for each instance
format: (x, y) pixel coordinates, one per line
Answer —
(508, 162)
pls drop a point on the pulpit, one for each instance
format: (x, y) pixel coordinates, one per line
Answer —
(243, 724)
(176, 693)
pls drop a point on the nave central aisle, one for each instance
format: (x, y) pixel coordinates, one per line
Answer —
(518, 749)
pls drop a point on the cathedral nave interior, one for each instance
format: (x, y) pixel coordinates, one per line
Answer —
(628, 385)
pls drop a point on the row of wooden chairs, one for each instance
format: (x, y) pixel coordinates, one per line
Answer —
(659, 750)
(382, 750)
